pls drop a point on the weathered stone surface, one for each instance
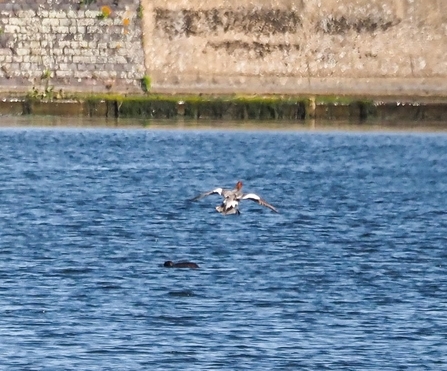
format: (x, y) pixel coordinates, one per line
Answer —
(61, 36)
(284, 46)
(226, 46)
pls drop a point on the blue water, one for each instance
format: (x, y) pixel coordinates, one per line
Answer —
(351, 274)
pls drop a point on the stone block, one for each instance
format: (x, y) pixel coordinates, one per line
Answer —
(103, 46)
(83, 44)
(60, 29)
(5, 51)
(86, 22)
(71, 14)
(92, 14)
(29, 13)
(82, 74)
(102, 75)
(14, 21)
(21, 52)
(119, 60)
(42, 13)
(83, 59)
(10, 28)
(60, 73)
(34, 58)
(14, 66)
(87, 52)
(82, 67)
(52, 14)
(25, 66)
(34, 44)
(58, 52)
(65, 22)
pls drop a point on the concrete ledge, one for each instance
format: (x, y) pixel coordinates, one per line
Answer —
(405, 87)
(224, 85)
(302, 108)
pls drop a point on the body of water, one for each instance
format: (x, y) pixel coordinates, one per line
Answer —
(351, 274)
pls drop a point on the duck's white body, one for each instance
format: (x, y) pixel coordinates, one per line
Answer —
(231, 198)
(229, 206)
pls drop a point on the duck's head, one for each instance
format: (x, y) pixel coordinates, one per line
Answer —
(238, 185)
(168, 263)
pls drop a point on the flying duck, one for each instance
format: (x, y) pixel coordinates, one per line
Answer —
(231, 198)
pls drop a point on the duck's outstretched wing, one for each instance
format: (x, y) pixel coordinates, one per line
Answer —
(217, 191)
(259, 200)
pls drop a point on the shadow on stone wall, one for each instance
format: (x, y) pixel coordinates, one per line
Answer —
(203, 22)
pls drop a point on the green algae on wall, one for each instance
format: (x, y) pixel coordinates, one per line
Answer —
(197, 107)
(299, 109)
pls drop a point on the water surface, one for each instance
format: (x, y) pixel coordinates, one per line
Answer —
(349, 275)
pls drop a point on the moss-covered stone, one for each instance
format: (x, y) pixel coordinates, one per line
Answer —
(197, 107)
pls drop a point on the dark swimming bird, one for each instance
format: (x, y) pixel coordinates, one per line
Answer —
(170, 264)
(231, 198)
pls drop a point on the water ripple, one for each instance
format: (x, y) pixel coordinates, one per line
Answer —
(349, 275)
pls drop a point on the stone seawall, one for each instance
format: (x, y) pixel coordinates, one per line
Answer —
(289, 46)
(73, 45)
(357, 47)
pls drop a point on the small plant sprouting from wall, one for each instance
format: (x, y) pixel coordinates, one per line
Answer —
(47, 93)
(146, 83)
(140, 11)
(86, 2)
(105, 12)
(46, 74)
